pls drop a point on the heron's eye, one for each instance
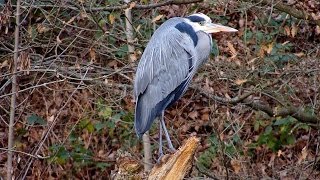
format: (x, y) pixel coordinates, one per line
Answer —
(202, 23)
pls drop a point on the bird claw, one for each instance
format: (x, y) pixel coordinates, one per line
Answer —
(160, 158)
(172, 150)
(164, 158)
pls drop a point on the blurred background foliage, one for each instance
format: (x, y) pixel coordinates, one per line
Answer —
(75, 105)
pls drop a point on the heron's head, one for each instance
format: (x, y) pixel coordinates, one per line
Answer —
(201, 22)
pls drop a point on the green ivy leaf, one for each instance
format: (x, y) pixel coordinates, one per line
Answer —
(284, 121)
(60, 154)
(34, 119)
(268, 130)
(291, 139)
(105, 112)
(98, 126)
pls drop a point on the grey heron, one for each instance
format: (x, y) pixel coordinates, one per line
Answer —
(173, 55)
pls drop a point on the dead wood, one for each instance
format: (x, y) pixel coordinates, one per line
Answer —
(178, 164)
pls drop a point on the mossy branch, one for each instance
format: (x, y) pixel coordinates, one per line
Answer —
(300, 113)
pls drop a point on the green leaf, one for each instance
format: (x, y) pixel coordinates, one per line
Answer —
(248, 35)
(34, 119)
(256, 125)
(86, 124)
(302, 126)
(128, 117)
(98, 126)
(236, 138)
(272, 143)
(103, 165)
(21, 131)
(122, 51)
(32, 30)
(230, 150)
(102, 22)
(110, 124)
(73, 137)
(117, 117)
(83, 123)
(59, 154)
(291, 139)
(268, 130)
(214, 48)
(259, 36)
(90, 127)
(284, 121)
(105, 112)
(112, 2)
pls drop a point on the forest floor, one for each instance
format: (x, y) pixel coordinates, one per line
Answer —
(255, 104)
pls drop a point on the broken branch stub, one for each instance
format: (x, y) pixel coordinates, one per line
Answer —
(178, 164)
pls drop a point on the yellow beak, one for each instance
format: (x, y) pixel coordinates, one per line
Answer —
(214, 28)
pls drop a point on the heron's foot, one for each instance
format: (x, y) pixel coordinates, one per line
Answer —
(172, 150)
(160, 157)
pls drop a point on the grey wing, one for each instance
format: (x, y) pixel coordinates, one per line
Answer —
(163, 75)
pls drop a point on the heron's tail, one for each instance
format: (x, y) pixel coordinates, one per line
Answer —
(144, 116)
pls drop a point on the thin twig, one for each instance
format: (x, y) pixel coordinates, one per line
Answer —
(32, 87)
(299, 14)
(46, 134)
(14, 90)
(24, 153)
(125, 6)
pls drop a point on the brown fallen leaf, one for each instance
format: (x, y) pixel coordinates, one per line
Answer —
(294, 30)
(193, 115)
(111, 18)
(4, 64)
(50, 118)
(232, 50)
(303, 156)
(92, 54)
(113, 64)
(157, 18)
(240, 81)
(269, 47)
(262, 51)
(317, 30)
(41, 28)
(300, 54)
(205, 117)
(287, 30)
(236, 165)
(271, 162)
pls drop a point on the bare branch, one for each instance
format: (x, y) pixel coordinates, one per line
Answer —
(299, 14)
(299, 113)
(129, 34)
(125, 6)
(14, 90)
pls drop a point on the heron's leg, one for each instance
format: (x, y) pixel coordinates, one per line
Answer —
(167, 134)
(160, 143)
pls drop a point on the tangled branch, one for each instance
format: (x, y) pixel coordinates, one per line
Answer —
(299, 14)
(299, 113)
(120, 7)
